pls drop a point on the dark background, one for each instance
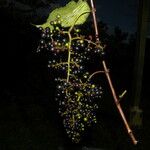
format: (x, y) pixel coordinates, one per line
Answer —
(28, 112)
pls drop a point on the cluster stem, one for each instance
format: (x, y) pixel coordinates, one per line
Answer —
(69, 56)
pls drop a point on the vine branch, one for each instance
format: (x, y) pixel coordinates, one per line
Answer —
(109, 80)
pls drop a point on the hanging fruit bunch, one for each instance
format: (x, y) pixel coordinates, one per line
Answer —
(77, 94)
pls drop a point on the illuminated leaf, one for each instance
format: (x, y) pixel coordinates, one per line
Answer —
(74, 13)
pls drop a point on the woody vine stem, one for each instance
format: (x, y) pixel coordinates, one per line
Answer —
(109, 80)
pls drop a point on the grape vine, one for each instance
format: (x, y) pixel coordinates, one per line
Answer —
(71, 52)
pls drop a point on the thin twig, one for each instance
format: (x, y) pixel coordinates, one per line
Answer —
(118, 104)
(97, 72)
(110, 82)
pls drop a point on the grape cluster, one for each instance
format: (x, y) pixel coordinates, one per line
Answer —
(77, 106)
(75, 93)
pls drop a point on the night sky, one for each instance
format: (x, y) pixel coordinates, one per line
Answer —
(122, 13)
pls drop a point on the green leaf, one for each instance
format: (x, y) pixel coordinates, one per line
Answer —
(74, 13)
